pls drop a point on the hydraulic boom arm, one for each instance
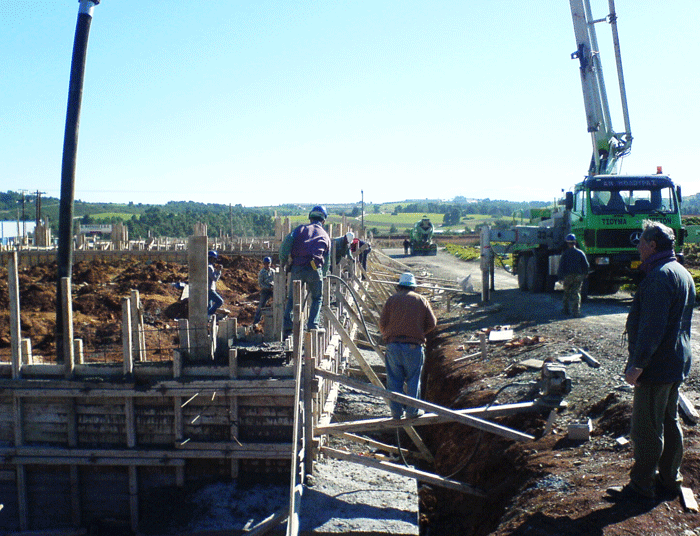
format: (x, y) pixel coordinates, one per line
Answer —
(608, 146)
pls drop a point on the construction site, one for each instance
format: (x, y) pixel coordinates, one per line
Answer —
(157, 405)
(130, 406)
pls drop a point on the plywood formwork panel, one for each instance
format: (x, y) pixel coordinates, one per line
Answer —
(48, 497)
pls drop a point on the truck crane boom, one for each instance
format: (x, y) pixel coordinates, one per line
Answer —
(605, 211)
(608, 146)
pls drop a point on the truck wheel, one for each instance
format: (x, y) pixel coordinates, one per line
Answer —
(522, 272)
(550, 282)
(535, 275)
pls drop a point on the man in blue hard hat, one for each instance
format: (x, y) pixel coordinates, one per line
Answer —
(214, 274)
(266, 280)
(305, 252)
(573, 270)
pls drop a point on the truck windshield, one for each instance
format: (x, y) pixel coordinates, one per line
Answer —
(657, 201)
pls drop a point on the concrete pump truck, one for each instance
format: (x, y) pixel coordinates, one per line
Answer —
(605, 211)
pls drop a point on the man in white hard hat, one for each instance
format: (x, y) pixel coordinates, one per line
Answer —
(342, 246)
(405, 320)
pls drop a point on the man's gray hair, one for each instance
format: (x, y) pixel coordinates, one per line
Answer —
(663, 235)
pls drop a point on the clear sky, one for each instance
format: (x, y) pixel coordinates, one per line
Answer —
(270, 102)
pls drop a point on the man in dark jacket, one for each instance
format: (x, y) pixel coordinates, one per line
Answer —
(573, 269)
(658, 327)
(306, 252)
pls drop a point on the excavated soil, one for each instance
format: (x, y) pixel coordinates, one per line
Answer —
(549, 486)
(98, 288)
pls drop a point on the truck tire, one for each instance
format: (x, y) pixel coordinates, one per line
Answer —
(522, 272)
(550, 282)
(535, 275)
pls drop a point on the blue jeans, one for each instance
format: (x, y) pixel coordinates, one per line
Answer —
(314, 281)
(265, 295)
(215, 301)
(404, 363)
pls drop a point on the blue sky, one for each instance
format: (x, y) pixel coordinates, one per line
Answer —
(265, 103)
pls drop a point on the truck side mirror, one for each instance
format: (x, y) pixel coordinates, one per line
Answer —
(569, 203)
(678, 194)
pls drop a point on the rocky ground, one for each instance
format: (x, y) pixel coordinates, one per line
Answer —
(553, 485)
(549, 486)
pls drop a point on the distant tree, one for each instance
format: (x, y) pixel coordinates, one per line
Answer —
(377, 209)
(355, 212)
(452, 216)
(392, 229)
(397, 209)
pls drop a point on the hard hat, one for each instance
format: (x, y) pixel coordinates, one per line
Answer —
(407, 279)
(213, 253)
(349, 237)
(267, 260)
(571, 237)
(318, 213)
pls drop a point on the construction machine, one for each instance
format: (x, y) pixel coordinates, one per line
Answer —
(605, 210)
(422, 238)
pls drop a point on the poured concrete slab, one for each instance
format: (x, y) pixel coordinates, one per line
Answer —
(347, 498)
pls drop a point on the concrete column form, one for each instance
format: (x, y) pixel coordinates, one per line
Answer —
(199, 296)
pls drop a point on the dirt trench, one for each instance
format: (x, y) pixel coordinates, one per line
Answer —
(552, 485)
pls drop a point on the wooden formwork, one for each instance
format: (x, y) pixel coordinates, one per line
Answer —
(81, 442)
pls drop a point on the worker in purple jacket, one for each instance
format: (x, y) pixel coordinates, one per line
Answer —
(305, 252)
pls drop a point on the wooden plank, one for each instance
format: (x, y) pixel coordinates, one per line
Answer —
(588, 358)
(402, 470)
(15, 323)
(383, 423)
(296, 477)
(127, 341)
(469, 420)
(375, 444)
(67, 307)
(687, 408)
(688, 499)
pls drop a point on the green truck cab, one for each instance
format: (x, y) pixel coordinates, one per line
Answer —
(606, 213)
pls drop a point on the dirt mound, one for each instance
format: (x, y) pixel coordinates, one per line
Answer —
(98, 288)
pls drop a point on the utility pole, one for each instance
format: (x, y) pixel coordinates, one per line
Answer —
(24, 224)
(70, 152)
(362, 193)
(38, 207)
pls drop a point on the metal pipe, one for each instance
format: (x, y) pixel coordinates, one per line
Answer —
(70, 150)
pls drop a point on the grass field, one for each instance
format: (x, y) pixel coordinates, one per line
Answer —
(109, 215)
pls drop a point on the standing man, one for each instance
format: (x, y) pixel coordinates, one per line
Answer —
(214, 273)
(404, 322)
(306, 252)
(266, 280)
(658, 327)
(406, 245)
(573, 269)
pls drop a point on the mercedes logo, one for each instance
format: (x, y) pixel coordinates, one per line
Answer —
(634, 238)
